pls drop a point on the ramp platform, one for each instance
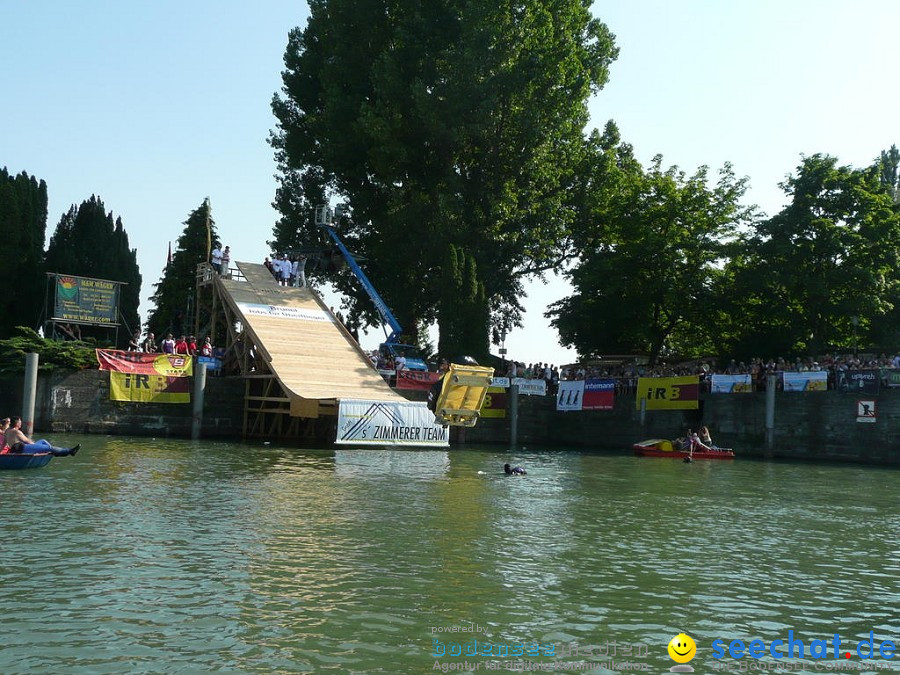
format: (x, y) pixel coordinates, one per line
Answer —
(299, 361)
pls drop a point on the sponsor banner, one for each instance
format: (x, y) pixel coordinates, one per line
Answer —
(494, 403)
(859, 381)
(569, 395)
(171, 365)
(84, 300)
(731, 384)
(816, 380)
(890, 377)
(599, 394)
(388, 423)
(530, 387)
(669, 393)
(284, 312)
(416, 379)
(144, 388)
(500, 382)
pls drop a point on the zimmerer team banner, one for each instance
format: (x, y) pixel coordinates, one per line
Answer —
(147, 378)
(669, 393)
(87, 301)
(388, 423)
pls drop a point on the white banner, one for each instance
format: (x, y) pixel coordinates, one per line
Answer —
(389, 423)
(530, 387)
(816, 380)
(570, 395)
(500, 382)
(284, 312)
(731, 384)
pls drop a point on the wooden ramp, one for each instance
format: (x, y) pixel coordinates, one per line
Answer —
(302, 345)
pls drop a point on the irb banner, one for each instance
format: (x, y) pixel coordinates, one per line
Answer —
(816, 380)
(388, 423)
(569, 396)
(143, 388)
(494, 403)
(599, 395)
(669, 393)
(730, 384)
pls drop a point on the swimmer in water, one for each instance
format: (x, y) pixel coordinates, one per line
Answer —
(514, 471)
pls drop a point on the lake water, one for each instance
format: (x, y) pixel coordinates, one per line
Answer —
(143, 555)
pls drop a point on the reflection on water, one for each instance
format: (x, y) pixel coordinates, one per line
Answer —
(151, 555)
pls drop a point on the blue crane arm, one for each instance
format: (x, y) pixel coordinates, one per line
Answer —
(389, 318)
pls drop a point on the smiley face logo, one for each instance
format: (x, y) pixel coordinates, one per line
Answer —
(682, 648)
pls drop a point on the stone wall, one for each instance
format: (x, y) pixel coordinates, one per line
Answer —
(808, 425)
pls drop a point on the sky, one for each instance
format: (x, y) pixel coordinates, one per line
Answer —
(155, 106)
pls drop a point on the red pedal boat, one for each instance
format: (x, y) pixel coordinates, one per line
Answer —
(658, 447)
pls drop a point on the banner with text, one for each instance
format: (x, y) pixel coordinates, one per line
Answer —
(172, 365)
(142, 388)
(285, 312)
(816, 380)
(83, 300)
(669, 393)
(731, 384)
(530, 387)
(416, 379)
(388, 423)
(569, 395)
(599, 395)
(859, 381)
(494, 403)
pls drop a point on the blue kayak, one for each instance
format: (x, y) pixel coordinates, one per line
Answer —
(27, 461)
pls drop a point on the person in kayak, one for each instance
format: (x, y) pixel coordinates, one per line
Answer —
(19, 443)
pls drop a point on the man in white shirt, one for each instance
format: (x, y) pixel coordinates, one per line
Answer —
(216, 260)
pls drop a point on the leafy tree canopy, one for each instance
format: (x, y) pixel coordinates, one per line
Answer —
(651, 252)
(830, 257)
(452, 122)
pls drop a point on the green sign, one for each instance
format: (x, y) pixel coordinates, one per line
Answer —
(84, 300)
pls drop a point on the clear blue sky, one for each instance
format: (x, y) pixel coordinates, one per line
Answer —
(155, 106)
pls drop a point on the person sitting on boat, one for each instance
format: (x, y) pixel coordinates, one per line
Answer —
(4, 425)
(705, 438)
(697, 445)
(19, 443)
(514, 471)
(683, 442)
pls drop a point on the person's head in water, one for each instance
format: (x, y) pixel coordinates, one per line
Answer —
(506, 469)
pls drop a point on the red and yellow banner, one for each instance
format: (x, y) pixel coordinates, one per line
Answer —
(142, 388)
(669, 393)
(172, 365)
(416, 379)
(147, 378)
(494, 403)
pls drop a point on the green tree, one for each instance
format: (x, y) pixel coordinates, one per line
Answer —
(90, 242)
(175, 293)
(829, 256)
(23, 224)
(650, 258)
(463, 308)
(452, 122)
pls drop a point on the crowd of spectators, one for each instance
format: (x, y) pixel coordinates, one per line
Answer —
(627, 374)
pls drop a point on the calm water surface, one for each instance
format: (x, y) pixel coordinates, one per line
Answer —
(144, 555)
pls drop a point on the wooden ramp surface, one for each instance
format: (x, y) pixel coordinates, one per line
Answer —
(309, 352)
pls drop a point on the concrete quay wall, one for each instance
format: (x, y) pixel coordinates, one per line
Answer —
(808, 425)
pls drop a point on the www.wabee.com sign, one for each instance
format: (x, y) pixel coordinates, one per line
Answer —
(669, 393)
(388, 423)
